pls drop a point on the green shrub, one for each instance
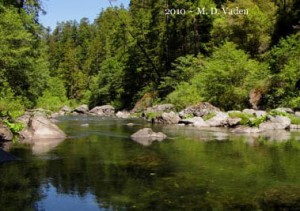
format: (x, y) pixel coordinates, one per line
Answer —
(245, 117)
(228, 77)
(188, 116)
(255, 122)
(294, 120)
(14, 127)
(184, 95)
(208, 116)
(153, 115)
(11, 104)
(275, 112)
(54, 97)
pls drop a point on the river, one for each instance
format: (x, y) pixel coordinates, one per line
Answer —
(98, 167)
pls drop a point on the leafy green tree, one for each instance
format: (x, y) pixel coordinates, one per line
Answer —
(22, 55)
(251, 32)
(284, 85)
(288, 18)
(107, 86)
(54, 96)
(228, 77)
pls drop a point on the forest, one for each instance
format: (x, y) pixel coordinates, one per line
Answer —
(127, 54)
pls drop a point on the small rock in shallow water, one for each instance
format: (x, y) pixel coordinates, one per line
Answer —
(146, 136)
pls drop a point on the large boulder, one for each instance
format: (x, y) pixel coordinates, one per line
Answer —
(82, 109)
(219, 120)
(276, 123)
(105, 110)
(200, 110)
(40, 127)
(146, 136)
(5, 133)
(170, 118)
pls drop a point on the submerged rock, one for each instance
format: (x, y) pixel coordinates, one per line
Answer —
(105, 110)
(146, 136)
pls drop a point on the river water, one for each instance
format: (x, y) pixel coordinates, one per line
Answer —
(98, 167)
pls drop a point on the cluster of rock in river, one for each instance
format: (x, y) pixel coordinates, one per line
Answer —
(38, 124)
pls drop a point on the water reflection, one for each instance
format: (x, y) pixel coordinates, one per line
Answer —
(103, 169)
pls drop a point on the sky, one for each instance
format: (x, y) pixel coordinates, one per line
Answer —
(63, 10)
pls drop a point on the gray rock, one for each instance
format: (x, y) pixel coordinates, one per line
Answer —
(297, 113)
(82, 109)
(276, 123)
(24, 118)
(294, 127)
(40, 127)
(195, 121)
(286, 110)
(219, 120)
(5, 133)
(257, 113)
(146, 136)
(105, 110)
(199, 110)
(160, 108)
(246, 129)
(123, 114)
(234, 111)
(65, 109)
(233, 121)
(170, 118)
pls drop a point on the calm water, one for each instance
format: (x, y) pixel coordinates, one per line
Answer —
(100, 168)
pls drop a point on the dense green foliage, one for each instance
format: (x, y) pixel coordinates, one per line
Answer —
(126, 53)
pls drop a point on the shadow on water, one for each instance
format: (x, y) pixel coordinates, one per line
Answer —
(100, 168)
